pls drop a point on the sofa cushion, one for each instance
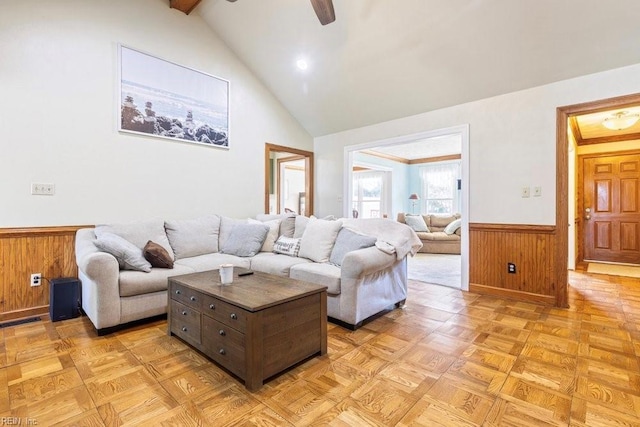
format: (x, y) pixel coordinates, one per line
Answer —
(157, 255)
(192, 237)
(136, 283)
(441, 221)
(319, 273)
(128, 255)
(318, 239)
(416, 222)
(453, 226)
(139, 232)
(213, 261)
(245, 240)
(348, 241)
(287, 222)
(287, 246)
(272, 234)
(277, 264)
(439, 235)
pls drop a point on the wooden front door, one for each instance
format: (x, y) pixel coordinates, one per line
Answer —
(612, 208)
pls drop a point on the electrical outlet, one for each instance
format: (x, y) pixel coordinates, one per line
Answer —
(36, 279)
(537, 191)
(526, 191)
(511, 268)
(43, 189)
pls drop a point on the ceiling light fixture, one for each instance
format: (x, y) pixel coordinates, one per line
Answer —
(302, 64)
(620, 120)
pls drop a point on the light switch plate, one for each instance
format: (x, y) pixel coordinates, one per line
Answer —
(38, 189)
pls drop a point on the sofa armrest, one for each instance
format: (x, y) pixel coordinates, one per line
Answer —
(99, 274)
(363, 262)
(91, 261)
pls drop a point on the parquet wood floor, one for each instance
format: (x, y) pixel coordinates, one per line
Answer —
(448, 358)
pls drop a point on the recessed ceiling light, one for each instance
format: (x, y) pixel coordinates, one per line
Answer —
(302, 64)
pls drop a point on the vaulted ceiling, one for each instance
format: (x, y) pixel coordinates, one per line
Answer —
(382, 59)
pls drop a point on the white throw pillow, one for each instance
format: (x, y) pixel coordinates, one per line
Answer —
(226, 225)
(453, 226)
(348, 241)
(129, 256)
(318, 239)
(245, 239)
(272, 234)
(287, 246)
(416, 222)
(192, 237)
(287, 222)
(139, 233)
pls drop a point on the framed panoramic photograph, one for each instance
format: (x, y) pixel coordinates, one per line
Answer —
(166, 100)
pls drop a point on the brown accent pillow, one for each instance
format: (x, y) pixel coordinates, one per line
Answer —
(157, 255)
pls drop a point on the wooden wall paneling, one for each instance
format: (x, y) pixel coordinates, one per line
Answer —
(530, 247)
(23, 251)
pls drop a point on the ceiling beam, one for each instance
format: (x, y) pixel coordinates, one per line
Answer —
(185, 6)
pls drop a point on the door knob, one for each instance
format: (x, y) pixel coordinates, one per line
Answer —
(587, 216)
(588, 210)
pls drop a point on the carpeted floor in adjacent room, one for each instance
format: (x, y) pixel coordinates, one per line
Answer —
(439, 269)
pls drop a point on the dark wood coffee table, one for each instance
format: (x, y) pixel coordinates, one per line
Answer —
(256, 327)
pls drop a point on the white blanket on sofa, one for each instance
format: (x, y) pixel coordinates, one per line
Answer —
(400, 236)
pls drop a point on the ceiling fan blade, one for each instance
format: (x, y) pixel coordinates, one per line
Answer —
(324, 10)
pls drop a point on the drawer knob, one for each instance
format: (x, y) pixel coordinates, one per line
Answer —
(184, 313)
(184, 329)
(212, 306)
(178, 292)
(222, 351)
(222, 332)
(192, 298)
(234, 316)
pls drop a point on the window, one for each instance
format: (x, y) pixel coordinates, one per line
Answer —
(440, 194)
(370, 194)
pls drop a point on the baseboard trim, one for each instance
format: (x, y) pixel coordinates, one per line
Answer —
(512, 294)
(24, 313)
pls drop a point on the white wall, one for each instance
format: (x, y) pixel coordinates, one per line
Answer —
(512, 145)
(58, 114)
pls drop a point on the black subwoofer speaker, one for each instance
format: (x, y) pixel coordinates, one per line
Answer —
(64, 298)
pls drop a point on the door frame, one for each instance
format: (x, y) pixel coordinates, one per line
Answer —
(562, 181)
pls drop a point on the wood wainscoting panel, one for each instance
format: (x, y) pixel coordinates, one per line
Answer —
(23, 251)
(530, 247)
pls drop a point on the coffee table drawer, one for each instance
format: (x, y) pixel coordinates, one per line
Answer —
(185, 322)
(186, 296)
(225, 345)
(226, 313)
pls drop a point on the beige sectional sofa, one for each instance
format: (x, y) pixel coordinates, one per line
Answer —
(362, 279)
(435, 240)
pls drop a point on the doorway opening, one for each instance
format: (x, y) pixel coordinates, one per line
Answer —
(396, 164)
(288, 182)
(598, 186)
